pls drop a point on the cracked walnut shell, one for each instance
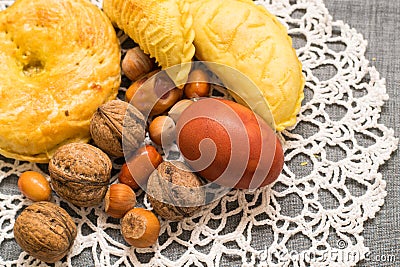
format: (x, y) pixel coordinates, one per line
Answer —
(45, 231)
(113, 121)
(80, 173)
(174, 191)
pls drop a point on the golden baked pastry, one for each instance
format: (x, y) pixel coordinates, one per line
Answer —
(242, 35)
(162, 28)
(60, 60)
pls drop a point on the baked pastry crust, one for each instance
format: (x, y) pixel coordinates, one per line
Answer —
(242, 35)
(60, 60)
(162, 28)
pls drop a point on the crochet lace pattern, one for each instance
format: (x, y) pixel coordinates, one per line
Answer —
(315, 212)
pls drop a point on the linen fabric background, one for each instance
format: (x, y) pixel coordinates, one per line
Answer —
(379, 22)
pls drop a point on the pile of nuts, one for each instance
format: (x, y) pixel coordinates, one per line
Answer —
(80, 173)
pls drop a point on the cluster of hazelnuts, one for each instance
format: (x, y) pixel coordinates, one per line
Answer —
(80, 173)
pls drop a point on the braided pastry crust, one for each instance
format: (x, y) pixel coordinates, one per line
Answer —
(162, 28)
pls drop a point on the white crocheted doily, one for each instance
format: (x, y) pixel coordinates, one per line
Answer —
(315, 213)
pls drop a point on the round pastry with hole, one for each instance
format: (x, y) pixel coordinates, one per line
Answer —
(60, 60)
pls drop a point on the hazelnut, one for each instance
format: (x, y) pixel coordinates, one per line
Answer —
(34, 186)
(140, 228)
(45, 231)
(80, 173)
(136, 63)
(174, 191)
(197, 84)
(162, 130)
(138, 168)
(111, 121)
(153, 94)
(167, 96)
(177, 109)
(134, 87)
(119, 199)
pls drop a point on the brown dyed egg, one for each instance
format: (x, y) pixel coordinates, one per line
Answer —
(228, 144)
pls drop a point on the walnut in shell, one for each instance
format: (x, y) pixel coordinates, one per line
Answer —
(114, 120)
(174, 191)
(80, 173)
(45, 231)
